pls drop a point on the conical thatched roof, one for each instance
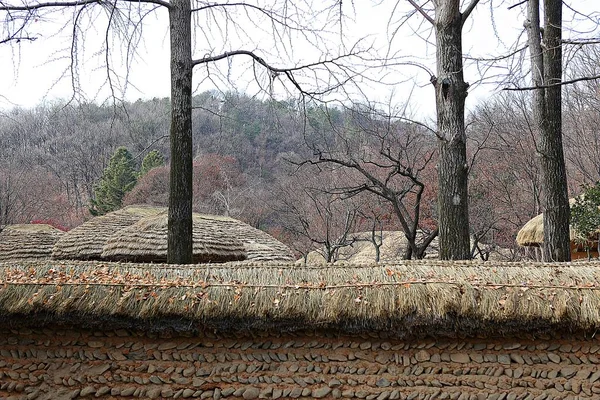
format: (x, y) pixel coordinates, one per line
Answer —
(87, 240)
(146, 241)
(429, 297)
(28, 241)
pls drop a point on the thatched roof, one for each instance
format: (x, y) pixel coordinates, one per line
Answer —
(532, 233)
(87, 240)
(27, 241)
(260, 246)
(410, 298)
(146, 241)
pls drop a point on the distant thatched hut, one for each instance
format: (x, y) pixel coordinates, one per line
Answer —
(532, 235)
(87, 240)
(28, 241)
(259, 245)
(146, 241)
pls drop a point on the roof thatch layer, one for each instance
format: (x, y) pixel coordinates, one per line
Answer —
(87, 240)
(28, 241)
(532, 233)
(410, 298)
(146, 241)
(260, 246)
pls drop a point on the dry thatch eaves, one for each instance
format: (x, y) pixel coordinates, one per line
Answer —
(409, 298)
(28, 241)
(146, 241)
(87, 240)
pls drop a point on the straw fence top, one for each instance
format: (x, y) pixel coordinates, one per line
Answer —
(410, 298)
(28, 241)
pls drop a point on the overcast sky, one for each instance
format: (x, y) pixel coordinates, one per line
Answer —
(39, 71)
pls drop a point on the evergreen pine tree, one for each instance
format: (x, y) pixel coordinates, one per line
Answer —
(118, 178)
(152, 160)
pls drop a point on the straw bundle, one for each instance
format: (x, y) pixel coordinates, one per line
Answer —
(87, 240)
(146, 241)
(28, 241)
(428, 297)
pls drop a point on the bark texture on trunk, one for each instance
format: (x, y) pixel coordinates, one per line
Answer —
(180, 189)
(554, 175)
(450, 94)
(546, 64)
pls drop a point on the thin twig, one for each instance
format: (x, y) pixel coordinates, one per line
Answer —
(582, 79)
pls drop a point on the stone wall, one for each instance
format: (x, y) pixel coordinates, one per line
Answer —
(74, 363)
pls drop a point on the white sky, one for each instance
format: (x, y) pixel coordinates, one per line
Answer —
(34, 72)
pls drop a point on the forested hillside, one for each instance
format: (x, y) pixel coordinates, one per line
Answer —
(309, 174)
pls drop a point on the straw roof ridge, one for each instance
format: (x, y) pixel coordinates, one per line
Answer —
(412, 296)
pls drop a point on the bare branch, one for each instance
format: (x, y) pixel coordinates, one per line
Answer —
(17, 39)
(517, 5)
(422, 12)
(469, 10)
(288, 72)
(57, 4)
(569, 82)
(581, 41)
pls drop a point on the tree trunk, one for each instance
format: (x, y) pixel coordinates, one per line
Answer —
(554, 175)
(450, 95)
(180, 189)
(546, 70)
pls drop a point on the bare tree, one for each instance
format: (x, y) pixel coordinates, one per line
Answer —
(505, 188)
(450, 94)
(546, 66)
(313, 213)
(582, 118)
(386, 158)
(127, 17)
